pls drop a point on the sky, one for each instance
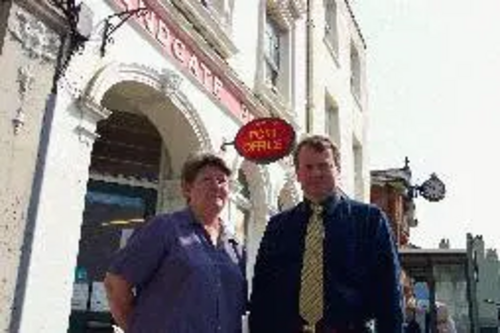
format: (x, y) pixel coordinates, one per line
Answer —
(433, 71)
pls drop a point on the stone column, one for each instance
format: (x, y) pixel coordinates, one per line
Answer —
(58, 217)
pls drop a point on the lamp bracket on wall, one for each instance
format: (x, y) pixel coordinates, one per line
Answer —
(110, 28)
(226, 143)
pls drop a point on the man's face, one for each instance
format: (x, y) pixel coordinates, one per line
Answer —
(317, 173)
(209, 191)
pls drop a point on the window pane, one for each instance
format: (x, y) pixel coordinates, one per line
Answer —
(271, 44)
(355, 72)
(271, 74)
(331, 23)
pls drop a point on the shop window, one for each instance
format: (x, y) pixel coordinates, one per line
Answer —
(121, 196)
(331, 28)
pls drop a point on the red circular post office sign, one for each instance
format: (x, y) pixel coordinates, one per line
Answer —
(265, 140)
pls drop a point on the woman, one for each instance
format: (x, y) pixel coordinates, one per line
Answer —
(445, 323)
(182, 273)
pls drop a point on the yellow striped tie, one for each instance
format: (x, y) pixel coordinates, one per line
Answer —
(311, 288)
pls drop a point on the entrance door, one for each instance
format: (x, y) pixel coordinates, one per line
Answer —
(121, 195)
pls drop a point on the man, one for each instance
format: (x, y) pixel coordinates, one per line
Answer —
(186, 270)
(339, 283)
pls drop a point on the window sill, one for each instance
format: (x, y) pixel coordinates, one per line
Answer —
(276, 103)
(208, 26)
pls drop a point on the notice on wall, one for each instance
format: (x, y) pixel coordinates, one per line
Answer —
(98, 300)
(80, 297)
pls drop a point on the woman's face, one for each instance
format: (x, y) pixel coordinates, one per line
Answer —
(209, 191)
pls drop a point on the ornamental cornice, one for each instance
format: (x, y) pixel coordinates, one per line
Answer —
(286, 12)
(276, 104)
(38, 40)
(91, 113)
(94, 110)
(46, 11)
(167, 81)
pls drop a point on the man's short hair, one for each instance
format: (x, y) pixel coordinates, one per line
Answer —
(197, 161)
(319, 143)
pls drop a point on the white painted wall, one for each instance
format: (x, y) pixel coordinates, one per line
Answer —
(51, 271)
(332, 76)
(57, 232)
(59, 217)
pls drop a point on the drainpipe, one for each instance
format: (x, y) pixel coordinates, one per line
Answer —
(309, 68)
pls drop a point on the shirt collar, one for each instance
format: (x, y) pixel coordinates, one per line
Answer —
(224, 234)
(329, 203)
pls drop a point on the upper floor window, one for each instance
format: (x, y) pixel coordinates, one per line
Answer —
(275, 82)
(222, 11)
(213, 21)
(355, 72)
(271, 53)
(332, 123)
(357, 151)
(331, 29)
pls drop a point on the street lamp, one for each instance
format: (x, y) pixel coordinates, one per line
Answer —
(433, 189)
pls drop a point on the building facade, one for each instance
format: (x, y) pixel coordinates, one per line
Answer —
(336, 88)
(154, 81)
(391, 191)
(485, 269)
(29, 45)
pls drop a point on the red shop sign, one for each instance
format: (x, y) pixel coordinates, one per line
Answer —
(265, 140)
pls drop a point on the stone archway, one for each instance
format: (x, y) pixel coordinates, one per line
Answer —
(157, 95)
(50, 275)
(138, 99)
(165, 83)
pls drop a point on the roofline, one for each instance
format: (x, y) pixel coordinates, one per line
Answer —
(356, 25)
(433, 251)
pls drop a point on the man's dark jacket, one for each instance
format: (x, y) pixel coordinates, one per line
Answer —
(361, 269)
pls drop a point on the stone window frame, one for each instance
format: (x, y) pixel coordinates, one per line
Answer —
(355, 75)
(331, 37)
(332, 120)
(272, 53)
(213, 20)
(283, 14)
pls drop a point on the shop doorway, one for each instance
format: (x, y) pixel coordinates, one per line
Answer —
(121, 194)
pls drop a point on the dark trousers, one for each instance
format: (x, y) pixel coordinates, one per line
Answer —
(337, 328)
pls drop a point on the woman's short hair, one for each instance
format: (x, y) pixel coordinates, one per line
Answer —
(319, 143)
(197, 161)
